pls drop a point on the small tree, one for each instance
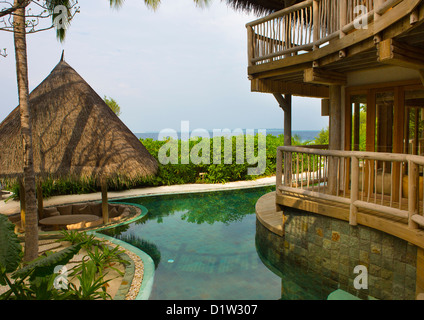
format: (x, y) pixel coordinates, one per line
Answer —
(113, 105)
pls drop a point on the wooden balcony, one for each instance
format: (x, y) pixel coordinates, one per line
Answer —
(303, 49)
(383, 191)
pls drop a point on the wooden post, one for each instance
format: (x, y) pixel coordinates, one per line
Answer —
(354, 190)
(356, 126)
(286, 104)
(335, 142)
(40, 200)
(105, 208)
(343, 16)
(315, 8)
(288, 139)
(279, 172)
(412, 193)
(23, 203)
(377, 5)
(250, 45)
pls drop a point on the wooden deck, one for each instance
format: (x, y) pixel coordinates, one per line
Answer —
(268, 215)
(270, 207)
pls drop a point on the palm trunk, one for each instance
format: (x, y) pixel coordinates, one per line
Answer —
(31, 218)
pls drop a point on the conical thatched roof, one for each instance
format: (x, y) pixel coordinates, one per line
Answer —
(261, 7)
(75, 134)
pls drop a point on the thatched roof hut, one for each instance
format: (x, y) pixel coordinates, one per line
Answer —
(261, 7)
(75, 134)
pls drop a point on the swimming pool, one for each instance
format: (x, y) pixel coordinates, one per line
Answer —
(205, 248)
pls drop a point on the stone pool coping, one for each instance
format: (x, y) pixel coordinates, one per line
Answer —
(13, 207)
(139, 275)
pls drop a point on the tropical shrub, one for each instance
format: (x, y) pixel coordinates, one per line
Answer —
(225, 170)
(37, 280)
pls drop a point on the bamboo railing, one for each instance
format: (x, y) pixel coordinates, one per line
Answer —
(306, 26)
(386, 183)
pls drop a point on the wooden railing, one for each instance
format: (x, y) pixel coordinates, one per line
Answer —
(308, 25)
(386, 183)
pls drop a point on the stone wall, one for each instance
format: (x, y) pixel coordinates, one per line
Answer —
(325, 251)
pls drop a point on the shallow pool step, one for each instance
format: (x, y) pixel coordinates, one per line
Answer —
(340, 294)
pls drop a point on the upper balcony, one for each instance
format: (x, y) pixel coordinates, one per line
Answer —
(304, 48)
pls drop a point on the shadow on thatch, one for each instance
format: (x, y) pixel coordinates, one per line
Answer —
(75, 134)
(261, 7)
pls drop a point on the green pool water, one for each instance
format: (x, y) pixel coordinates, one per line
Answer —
(205, 247)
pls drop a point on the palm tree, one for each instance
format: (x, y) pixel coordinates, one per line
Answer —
(31, 218)
(18, 11)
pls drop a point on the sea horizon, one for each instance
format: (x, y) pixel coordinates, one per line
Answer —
(305, 135)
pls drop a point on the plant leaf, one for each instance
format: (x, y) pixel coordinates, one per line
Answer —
(10, 248)
(45, 265)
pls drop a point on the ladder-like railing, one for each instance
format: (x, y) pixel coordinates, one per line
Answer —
(386, 183)
(306, 26)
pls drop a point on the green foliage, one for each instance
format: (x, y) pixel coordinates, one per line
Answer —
(36, 280)
(323, 137)
(10, 248)
(227, 169)
(113, 105)
(45, 265)
(74, 237)
(92, 286)
(104, 257)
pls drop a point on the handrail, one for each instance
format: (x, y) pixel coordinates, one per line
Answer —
(306, 26)
(281, 13)
(363, 174)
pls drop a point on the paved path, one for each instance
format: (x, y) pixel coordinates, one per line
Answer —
(12, 207)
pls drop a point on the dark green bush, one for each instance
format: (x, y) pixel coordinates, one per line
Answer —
(172, 174)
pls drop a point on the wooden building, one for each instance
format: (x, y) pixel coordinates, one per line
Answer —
(365, 60)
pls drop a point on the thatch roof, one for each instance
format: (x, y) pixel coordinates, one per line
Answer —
(261, 7)
(75, 134)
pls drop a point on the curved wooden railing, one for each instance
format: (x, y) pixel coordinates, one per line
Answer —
(306, 26)
(386, 183)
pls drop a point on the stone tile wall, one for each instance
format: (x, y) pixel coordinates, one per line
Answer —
(327, 250)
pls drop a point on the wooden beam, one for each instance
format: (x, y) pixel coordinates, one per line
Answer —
(284, 104)
(288, 87)
(400, 54)
(324, 77)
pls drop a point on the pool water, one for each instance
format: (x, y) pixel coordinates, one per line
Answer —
(204, 247)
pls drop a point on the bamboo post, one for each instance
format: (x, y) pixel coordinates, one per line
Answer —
(40, 200)
(105, 208)
(412, 193)
(354, 191)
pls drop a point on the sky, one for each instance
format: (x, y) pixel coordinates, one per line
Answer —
(178, 63)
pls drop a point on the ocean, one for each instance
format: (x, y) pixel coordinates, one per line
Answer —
(305, 135)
